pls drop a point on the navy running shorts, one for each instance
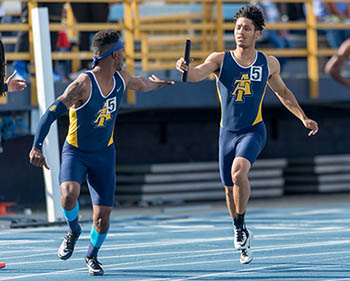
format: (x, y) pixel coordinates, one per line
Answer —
(247, 143)
(97, 167)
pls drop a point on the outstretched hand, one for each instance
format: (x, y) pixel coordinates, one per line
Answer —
(181, 65)
(161, 83)
(37, 158)
(15, 85)
(312, 125)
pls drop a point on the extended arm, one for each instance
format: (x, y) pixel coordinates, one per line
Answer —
(286, 97)
(336, 62)
(197, 73)
(139, 83)
(75, 94)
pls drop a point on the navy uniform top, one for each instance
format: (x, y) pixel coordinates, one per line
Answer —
(241, 91)
(91, 125)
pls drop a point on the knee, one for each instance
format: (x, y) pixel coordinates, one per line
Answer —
(69, 195)
(69, 198)
(101, 224)
(238, 177)
(101, 221)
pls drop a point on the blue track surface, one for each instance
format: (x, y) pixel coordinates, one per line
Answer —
(290, 244)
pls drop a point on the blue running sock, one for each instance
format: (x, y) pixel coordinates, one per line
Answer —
(96, 241)
(72, 218)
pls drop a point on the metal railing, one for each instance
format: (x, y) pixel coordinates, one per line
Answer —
(161, 38)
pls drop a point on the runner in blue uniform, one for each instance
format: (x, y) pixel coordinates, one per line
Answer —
(242, 75)
(93, 100)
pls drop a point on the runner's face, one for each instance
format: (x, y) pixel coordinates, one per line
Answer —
(245, 33)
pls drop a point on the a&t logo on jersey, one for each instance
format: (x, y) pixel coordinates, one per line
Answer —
(104, 114)
(242, 87)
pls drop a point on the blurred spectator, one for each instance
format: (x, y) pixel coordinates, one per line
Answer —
(22, 45)
(292, 11)
(88, 12)
(278, 39)
(63, 67)
(337, 12)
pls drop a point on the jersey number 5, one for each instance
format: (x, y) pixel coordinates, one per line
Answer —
(111, 105)
(256, 73)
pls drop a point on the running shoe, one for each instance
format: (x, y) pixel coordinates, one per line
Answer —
(242, 238)
(66, 248)
(246, 256)
(94, 266)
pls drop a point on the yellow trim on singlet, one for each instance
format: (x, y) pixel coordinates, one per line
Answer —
(259, 115)
(111, 139)
(72, 137)
(219, 95)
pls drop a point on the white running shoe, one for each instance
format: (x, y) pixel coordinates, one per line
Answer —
(246, 256)
(242, 238)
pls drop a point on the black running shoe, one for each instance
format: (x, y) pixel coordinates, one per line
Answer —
(66, 248)
(94, 266)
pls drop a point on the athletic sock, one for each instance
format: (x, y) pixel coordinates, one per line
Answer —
(72, 218)
(96, 241)
(239, 221)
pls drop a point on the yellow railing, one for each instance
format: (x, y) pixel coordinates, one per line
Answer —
(161, 38)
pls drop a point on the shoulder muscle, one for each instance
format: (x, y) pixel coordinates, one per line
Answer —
(274, 65)
(77, 92)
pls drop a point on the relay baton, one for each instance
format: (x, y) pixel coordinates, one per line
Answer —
(187, 59)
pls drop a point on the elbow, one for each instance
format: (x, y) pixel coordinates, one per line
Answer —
(330, 71)
(327, 69)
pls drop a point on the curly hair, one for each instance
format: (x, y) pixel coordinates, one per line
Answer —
(104, 38)
(253, 13)
(2, 69)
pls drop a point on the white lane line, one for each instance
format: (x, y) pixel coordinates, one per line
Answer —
(26, 230)
(318, 212)
(42, 274)
(24, 241)
(256, 270)
(117, 265)
(316, 231)
(172, 253)
(120, 234)
(196, 241)
(337, 279)
(191, 227)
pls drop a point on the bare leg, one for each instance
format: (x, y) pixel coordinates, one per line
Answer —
(230, 201)
(98, 234)
(70, 191)
(101, 215)
(240, 169)
(99, 230)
